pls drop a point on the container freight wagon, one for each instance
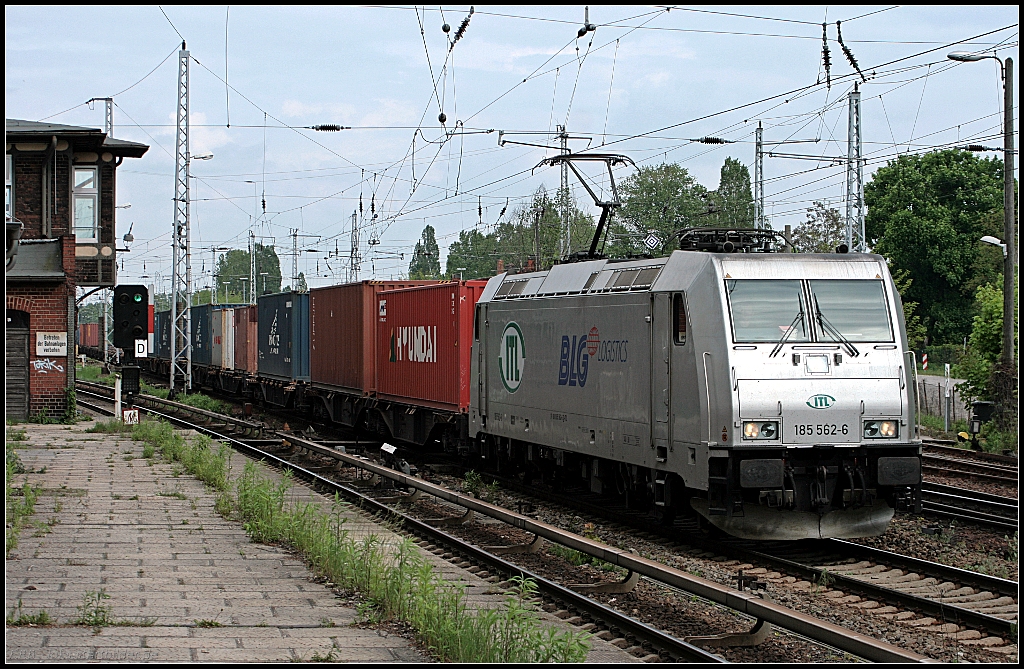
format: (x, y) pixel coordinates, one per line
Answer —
(283, 345)
(89, 335)
(202, 335)
(245, 348)
(424, 349)
(234, 345)
(343, 344)
(162, 330)
(224, 339)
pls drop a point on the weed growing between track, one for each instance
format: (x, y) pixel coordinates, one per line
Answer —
(398, 583)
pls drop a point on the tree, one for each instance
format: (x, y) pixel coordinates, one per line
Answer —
(984, 345)
(475, 252)
(926, 214)
(300, 283)
(733, 199)
(916, 334)
(233, 273)
(514, 241)
(660, 199)
(821, 232)
(426, 257)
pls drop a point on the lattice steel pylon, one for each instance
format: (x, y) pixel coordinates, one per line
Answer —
(181, 257)
(759, 178)
(855, 238)
(353, 260)
(252, 267)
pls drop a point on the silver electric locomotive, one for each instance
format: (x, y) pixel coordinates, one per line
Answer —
(772, 394)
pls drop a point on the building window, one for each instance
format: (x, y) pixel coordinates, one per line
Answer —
(86, 194)
(9, 187)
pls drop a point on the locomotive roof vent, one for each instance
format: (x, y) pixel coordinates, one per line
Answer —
(730, 240)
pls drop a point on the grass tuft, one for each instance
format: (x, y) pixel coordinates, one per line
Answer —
(398, 583)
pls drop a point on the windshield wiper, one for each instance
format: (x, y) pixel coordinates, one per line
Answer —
(785, 335)
(831, 330)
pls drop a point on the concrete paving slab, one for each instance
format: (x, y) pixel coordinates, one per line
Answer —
(119, 524)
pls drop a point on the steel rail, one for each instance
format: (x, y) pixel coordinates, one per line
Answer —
(953, 574)
(744, 602)
(960, 513)
(968, 474)
(965, 454)
(975, 466)
(972, 494)
(250, 426)
(939, 610)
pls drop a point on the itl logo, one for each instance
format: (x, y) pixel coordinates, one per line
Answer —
(511, 357)
(820, 401)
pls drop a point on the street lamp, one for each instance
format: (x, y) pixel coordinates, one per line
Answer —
(989, 239)
(1005, 388)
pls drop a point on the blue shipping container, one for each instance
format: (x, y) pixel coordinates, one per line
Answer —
(162, 334)
(283, 336)
(202, 335)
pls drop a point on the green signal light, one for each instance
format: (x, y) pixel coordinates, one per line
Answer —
(138, 298)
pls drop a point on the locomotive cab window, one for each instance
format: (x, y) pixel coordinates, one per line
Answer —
(853, 308)
(765, 310)
(679, 319)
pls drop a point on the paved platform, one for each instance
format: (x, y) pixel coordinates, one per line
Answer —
(184, 584)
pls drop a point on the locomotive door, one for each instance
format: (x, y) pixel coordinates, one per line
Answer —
(661, 374)
(480, 334)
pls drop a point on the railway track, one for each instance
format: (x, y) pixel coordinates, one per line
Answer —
(947, 449)
(969, 468)
(946, 594)
(970, 505)
(947, 460)
(603, 619)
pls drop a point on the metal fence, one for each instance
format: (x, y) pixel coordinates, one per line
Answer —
(932, 393)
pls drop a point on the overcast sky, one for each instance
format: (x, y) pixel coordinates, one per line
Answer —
(645, 83)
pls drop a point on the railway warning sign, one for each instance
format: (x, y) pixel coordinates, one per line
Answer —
(52, 343)
(130, 416)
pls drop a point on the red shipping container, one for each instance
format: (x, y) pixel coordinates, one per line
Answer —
(245, 339)
(342, 333)
(89, 335)
(425, 344)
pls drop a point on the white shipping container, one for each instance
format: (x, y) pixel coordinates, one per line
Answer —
(227, 339)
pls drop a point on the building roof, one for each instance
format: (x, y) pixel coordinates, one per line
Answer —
(38, 260)
(84, 138)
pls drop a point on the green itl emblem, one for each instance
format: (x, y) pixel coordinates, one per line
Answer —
(820, 401)
(511, 357)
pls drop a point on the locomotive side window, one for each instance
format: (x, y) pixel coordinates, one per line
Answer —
(679, 319)
(854, 307)
(764, 310)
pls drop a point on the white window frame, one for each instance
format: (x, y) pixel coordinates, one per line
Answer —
(9, 186)
(90, 193)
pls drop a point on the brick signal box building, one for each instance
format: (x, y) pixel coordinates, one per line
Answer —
(60, 193)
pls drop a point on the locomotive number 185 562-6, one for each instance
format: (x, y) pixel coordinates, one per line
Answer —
(820, 429)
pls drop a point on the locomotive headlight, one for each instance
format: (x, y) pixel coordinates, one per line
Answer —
(880, 429)
(760, 430)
